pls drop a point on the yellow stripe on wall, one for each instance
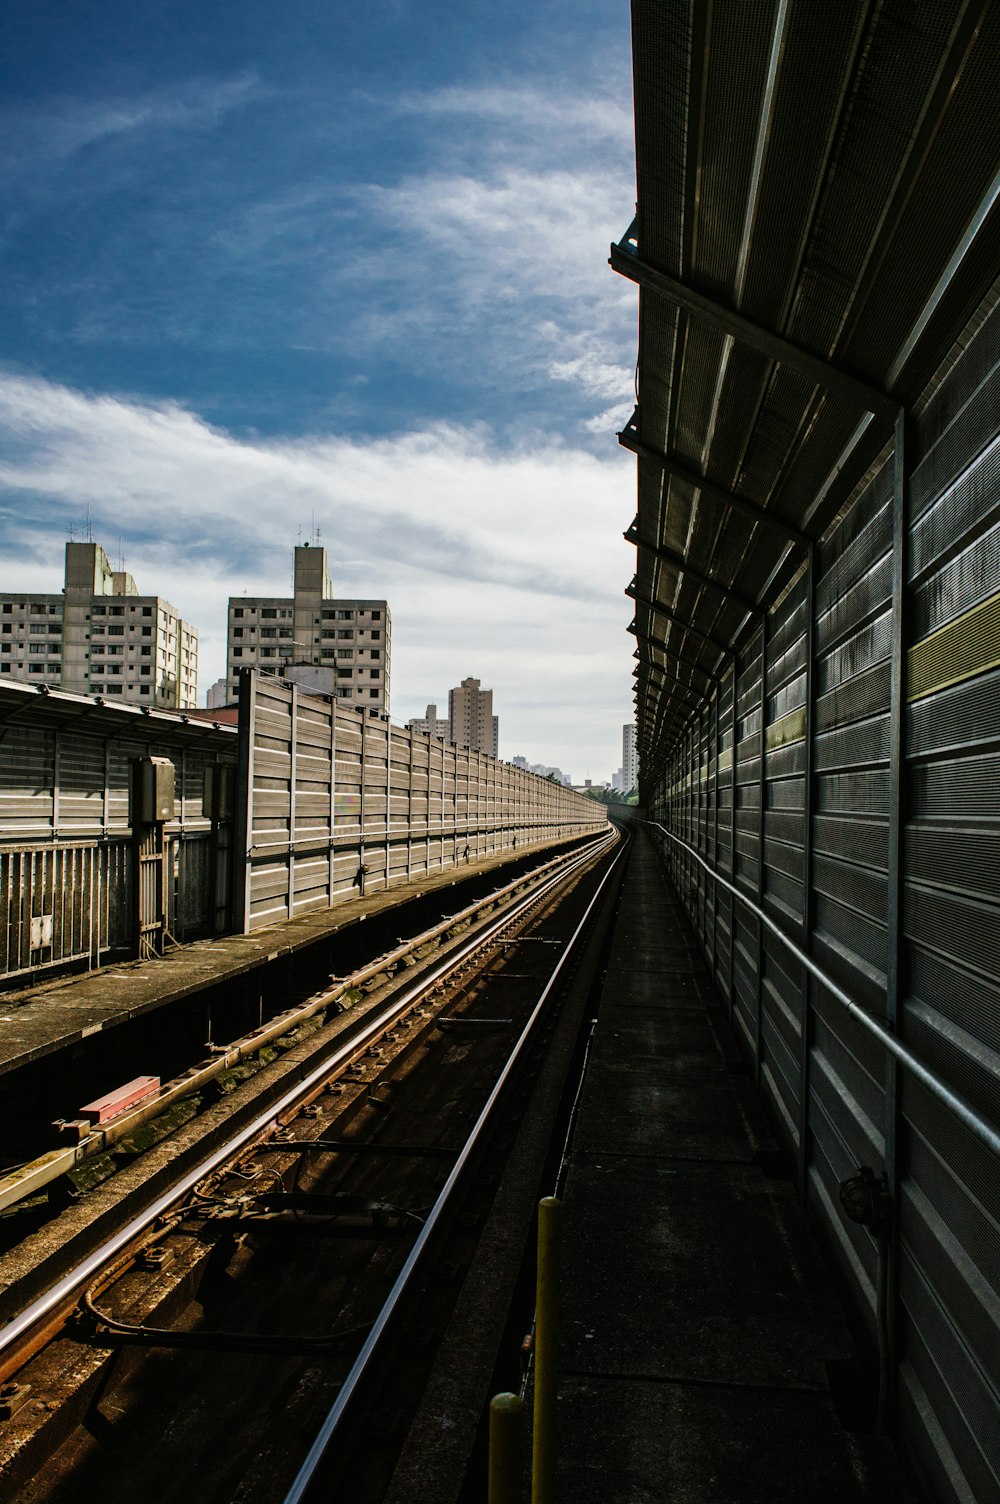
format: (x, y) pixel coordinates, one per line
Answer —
(963, 648)
(790, 728)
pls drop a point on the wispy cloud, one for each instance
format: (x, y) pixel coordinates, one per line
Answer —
(53, 132)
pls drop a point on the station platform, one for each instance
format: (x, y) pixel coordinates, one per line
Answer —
(697, 1314)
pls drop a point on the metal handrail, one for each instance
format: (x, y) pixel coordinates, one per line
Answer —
(967, 1114)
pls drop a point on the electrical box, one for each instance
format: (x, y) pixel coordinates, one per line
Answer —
(218, 791)
(153, 791)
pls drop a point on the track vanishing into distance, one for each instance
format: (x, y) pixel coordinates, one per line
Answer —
(255, 1306)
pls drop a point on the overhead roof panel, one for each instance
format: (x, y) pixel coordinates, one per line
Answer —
(816, 191)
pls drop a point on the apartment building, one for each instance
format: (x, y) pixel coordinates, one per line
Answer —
(430, 724)
(471, 722)
(351, 639)
(100, 637)
(630, 763)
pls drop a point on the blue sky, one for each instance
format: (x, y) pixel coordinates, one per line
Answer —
(265, 269)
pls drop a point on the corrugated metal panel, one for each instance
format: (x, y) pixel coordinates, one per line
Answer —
(341, 804)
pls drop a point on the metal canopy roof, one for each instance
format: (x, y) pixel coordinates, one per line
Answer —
(56, 710)
(818, 195)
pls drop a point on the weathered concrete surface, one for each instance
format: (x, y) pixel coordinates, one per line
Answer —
(697, 1315)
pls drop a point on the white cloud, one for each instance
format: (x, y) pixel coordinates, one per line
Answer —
(498, 562)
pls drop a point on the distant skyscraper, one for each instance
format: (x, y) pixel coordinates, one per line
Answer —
(350, 639)
(471, 722)
(100, 637)
(630, 766)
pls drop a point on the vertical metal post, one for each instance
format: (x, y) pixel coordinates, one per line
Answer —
(243, 835)
(732, 838)
(411, 746)
(293, 747)
(388, 797)
(895, 956)
(543, 1462)
(761, 791)
(808, 901)
(506, 1427)
(56, 771)
(716, 791)
(332, 875)
(362, 813)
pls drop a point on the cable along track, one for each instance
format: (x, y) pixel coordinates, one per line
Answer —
(323, 1194)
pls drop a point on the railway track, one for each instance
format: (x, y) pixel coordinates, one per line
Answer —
(253, 1292)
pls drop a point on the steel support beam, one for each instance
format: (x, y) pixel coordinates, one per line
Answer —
(678, 561)
(661, 647)
(823, 372)
(629, 439)
(667, 647)
(685, 626)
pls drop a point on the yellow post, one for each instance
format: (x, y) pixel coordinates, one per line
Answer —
(506, 1418)
(543, 1453)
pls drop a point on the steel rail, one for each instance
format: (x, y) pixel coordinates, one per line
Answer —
(66, 1289)
(399, 1290)
(25, 1180)
(963, 1110)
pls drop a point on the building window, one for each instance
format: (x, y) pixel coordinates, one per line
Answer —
(269, 652)
(346, 635)
(5, 648)
(147, 610)
(344, 673)
(345, 652)
(37, 610)
(144, 689)
(268, 631)
(268, 613)
(145, 652)
(342, 694)
(38, 647)
(116, 610)
(36, 668)
(7, 627)
(55, 630)
(345, 615)
(376, 616)
(237, 610)
(376, 652)
(373, 693)
(37, 627)
(237, 652)
(145, 669)
(115, 689)
(376, 636)
(116, 631)
(374, 673)
(7, 608)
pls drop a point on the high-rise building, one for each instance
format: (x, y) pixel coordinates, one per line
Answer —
(471, 722)
(218, 695)
(352, 639)
(630, 765)
(100, 637)
(430, 724)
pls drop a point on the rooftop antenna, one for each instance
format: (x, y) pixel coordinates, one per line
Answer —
(90, 529)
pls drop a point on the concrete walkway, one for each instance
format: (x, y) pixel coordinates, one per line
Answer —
(698, 1316)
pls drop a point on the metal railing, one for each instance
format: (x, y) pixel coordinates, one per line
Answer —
(984, 1131)
(62, 903)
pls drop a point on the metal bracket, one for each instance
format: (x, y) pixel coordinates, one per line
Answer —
(834, 378)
